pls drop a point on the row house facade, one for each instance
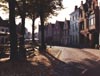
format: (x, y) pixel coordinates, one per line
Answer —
(54, 33)
(89, 24)
(49, 32)
(58, 33)
(74, 28)
(83, 29)
(65, 38)
(4, 31)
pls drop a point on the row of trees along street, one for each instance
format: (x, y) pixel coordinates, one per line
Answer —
(32, 9)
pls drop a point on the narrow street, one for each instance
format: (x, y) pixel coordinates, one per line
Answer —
(64, 62)
(85, 58)
(67, 54)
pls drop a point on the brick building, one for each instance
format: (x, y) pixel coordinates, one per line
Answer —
(49, 33)
(58, 33)
(89, 23)
(66, 27)
(53, 33)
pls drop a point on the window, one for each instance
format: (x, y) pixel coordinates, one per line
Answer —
(81, 13)
(92, 20)
(73, 18)
(73, 27)
(89, 21)
(76, 16)
(6, 30)
(82, 26)
(76, 39)
(2, 40)
(2, 30)
(6, 40)
(76, 26)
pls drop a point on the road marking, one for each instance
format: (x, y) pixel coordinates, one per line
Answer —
(58, 54)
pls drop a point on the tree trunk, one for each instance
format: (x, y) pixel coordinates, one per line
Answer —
(13, 35)
(43, 46)
(22, 50)
(33, 20)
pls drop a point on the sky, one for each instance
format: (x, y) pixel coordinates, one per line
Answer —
(64, 13)
(68, 8)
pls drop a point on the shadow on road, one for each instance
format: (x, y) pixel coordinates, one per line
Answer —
(61, 68)
(93, 68)
(25, 68)
(86, 68)
(37, 66)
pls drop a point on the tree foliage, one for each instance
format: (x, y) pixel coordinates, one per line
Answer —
(45, 8)
(34, 9)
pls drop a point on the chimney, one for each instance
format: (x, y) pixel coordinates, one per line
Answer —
(75, 7)
(86, 0)
(81, 2)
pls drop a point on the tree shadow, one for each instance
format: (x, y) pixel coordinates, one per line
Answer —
(38, 66)
(23, 68)
(61, 68)
(88, 67)
(94, 68)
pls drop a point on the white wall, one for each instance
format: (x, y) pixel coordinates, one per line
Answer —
(74, 27)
